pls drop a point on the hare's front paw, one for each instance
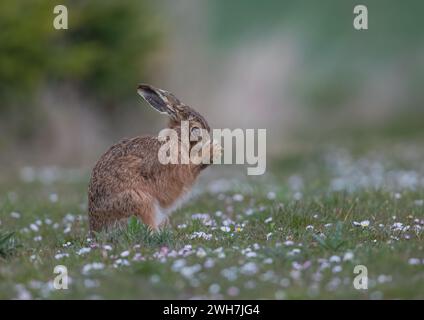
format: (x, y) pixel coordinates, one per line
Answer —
(216, 151)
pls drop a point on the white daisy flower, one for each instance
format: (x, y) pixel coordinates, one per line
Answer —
(125, 254)
(365, 223)
(15, 215)
(271, 195)
(249, 268)
(83, 251)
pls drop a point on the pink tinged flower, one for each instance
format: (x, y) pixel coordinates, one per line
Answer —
(233, 291)
(94, 245)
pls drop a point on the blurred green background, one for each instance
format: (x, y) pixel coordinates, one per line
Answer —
(296, 68)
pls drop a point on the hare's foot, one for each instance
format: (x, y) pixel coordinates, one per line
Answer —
(216, 151)
(211, 152)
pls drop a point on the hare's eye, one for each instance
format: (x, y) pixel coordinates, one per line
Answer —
(195, 131)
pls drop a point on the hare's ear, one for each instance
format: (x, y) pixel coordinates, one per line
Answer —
(159, 99)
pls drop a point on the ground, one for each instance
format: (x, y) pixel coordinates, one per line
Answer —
(296, 232)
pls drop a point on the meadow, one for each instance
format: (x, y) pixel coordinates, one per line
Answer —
(342, 108)
(295, 233)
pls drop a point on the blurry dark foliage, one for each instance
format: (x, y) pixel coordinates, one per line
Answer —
(103, 54)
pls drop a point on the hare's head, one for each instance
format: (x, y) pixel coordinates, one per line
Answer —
(166, 102)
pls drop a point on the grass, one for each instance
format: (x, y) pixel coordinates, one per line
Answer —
(297, 232)
(8, 244)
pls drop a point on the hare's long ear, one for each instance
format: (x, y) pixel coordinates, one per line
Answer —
(160, 100)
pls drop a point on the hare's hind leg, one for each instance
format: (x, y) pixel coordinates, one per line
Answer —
(122, 206)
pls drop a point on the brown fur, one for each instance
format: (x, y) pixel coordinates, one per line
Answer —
(128, 180)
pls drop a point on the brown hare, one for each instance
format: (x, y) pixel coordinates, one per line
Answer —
(129, 180)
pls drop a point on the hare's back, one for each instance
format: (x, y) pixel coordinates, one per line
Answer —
(125, 163)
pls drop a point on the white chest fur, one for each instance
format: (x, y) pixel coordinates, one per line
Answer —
(161, 213)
